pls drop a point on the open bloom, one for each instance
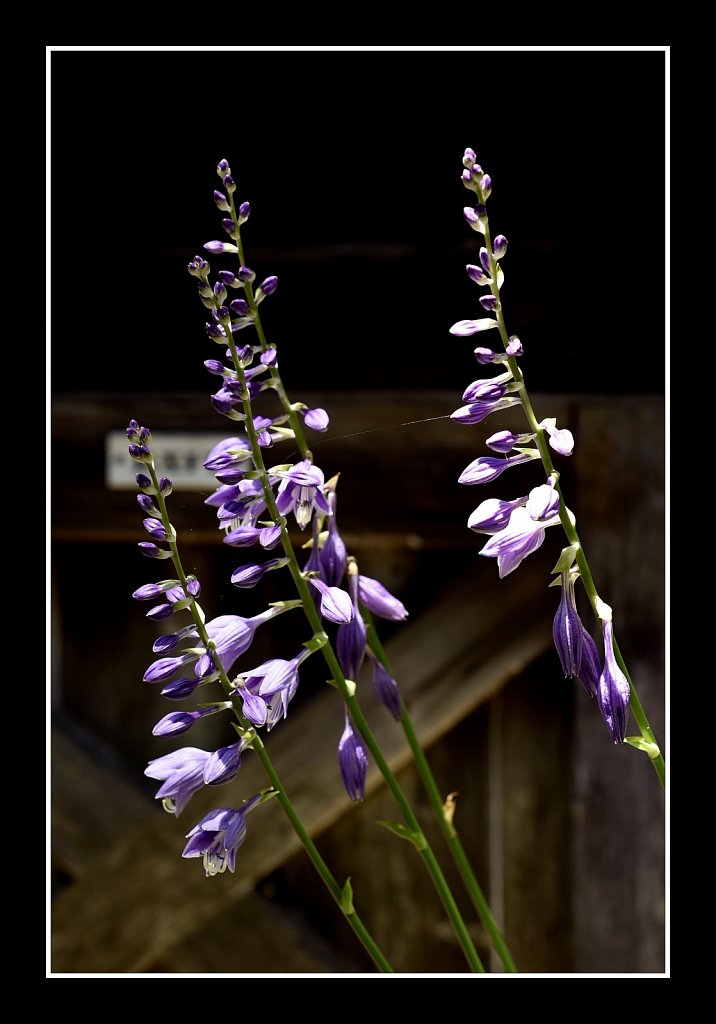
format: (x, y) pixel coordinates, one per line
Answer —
(185, 771)
(232, 635)
(520, 538)
(218, 836)
(301, 491)
(182, 773)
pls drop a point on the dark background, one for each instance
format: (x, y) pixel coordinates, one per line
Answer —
(351, 162)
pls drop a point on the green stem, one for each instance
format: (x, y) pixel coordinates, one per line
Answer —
(338, 677)
(292, 415)
(447, 828)
(569, 528)
(257, 744)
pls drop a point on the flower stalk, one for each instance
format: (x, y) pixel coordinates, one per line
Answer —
(349, 912)
(544, 433)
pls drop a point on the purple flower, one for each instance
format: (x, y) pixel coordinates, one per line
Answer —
(270, 688)
(567, 630)
(464, 328)
(177, 722)
(185, 771)
(561, 441)
(543, 502)
(504, 441)
(231, 452)
(269, 286)
(179, 689)
(590, 669)
(232, 636)
(219, 247)
(223, 764)
(514, 346)
(484, 390)
(499, 246)
(218, 836)
(301, 491)
(486, 468)
(332, 556)
(476, 412)
(160, 670)
(270, 537)
(520, 538)
(336, 605)
(350, 640)
(613, 691)
(249, 575)
(477, 274)
(182, 773)
(380, 601)
(353, 761)
(243, 536)
(316, 419)
(386, 690)
(493, 514)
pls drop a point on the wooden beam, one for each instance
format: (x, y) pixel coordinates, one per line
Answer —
(139, 897)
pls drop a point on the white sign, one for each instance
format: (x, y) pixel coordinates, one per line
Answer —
(178, 456)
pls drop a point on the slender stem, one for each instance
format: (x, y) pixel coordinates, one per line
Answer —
(274, 373)
(569, 528)
(447, 828)
(338, 677)
(317, 860)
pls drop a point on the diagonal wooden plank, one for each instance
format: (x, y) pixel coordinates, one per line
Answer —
(138, 898)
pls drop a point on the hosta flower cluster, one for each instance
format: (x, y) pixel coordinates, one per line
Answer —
(253, 504)
(517, 527)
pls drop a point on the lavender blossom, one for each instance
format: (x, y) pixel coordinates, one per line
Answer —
(613, 691)
(350, 641)
(380, 601)
(316, 419)
(232, 635)
(486, 469)
(218, 836)
(247, 576)
(336, 605)
(185, 771)
(561, 441)
(177, 722)
(353, 761)
(182, 773)
(332, 556)
(464, 328)
(386, 690)
(493, 514)
(520, 538)
(567, 630)
(590, 668)
(504, 441)
(301, 491)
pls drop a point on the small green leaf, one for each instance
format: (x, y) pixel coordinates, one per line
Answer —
(416, 838)
(347, 898)
(566, 559)
(650, 749)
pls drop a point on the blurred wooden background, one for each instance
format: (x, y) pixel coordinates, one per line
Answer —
(566, 832)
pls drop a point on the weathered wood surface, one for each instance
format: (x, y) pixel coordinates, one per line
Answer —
(619, 807)
(401, 490)
(139, 897)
